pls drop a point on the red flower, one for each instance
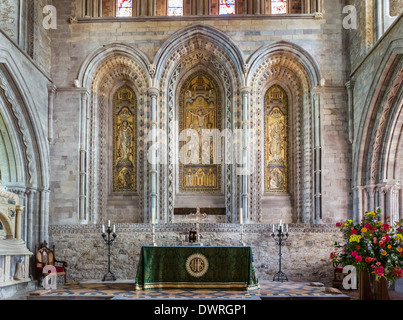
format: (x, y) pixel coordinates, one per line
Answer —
(358, 247)
(381, 244)
(339, 224)
(354, 253)
(353, 231)
(387, 238)
(368, 259)
(358, 258)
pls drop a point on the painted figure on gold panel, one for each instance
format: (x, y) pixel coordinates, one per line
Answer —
(201, 118)
(125, 141)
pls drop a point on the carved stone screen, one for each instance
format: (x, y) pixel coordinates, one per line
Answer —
(199, 115)
(276, 144)
(124, 145)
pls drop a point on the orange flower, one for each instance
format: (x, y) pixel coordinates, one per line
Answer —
(384, 253)
(364, 230)
(389, 247)
(399, 249)
(358, 247)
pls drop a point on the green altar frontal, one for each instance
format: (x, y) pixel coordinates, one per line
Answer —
(196, 267)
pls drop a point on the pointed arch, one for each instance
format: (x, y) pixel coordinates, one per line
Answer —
(103, 72)
(196, 45)
(291, 67)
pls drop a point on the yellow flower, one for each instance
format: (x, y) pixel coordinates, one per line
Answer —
(355, 238)
(384, 253)
(371, 214)
(364, 230)
(399, 236)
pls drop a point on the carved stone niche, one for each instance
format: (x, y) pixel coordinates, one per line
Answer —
(14, 255)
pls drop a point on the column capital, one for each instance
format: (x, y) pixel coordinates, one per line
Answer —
(52, 89)
(350, 84)
(153, 92)
(245, 90)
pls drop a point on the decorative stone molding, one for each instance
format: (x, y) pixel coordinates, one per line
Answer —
(382, 127)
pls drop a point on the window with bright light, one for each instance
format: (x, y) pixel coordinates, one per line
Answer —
(175, 8)
(227, 6)
(124, 8)
(278, 6)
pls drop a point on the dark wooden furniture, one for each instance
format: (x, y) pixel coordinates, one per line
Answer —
(46, 257)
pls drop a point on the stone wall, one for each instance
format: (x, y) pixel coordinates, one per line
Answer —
(305, 255)
(321, 38)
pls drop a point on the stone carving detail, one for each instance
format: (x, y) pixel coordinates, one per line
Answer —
(73, 20)
(7, 12)
(12, 100)
(382, 125)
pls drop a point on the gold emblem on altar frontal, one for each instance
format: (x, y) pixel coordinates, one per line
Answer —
(197, 265)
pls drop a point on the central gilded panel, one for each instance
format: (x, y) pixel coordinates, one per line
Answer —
(199, 117)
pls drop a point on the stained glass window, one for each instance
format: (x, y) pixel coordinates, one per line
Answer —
(227, 6)
(175, 7)
(124, 8)
(278, 6)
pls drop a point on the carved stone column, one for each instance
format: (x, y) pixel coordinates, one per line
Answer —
(350, 111)
(317, 156)
(153, 173)
(245, 93)
(370, 189)
(82, 215)
(358, 203)
(18, 214)
(51, 98)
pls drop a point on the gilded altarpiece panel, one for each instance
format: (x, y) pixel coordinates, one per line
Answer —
(124, 143)
(276, 142)
(200, 111)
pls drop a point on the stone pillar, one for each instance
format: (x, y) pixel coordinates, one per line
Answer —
(245, 93)
(317, 156)
(29, 208)
(82, 215)
(153, 173)
(18, 214)
(350, 94)
(44, 214)
(51, 98)
(358, 203)
(370, 189)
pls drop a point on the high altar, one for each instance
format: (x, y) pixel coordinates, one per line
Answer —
(14, 255)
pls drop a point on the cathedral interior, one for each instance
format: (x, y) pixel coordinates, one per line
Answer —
(140, 113)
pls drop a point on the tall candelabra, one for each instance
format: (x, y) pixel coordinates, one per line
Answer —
(280, 239)
(109, 238)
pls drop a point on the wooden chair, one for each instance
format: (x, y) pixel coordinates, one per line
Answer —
(46, 257)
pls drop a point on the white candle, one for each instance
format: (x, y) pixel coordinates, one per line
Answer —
(273, 228)
(287, 228)
(240, 216)
(103, 228)
(114, 229)
(109, 223)
(152, 215)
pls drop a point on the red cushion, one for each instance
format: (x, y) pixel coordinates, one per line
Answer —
(58, 269)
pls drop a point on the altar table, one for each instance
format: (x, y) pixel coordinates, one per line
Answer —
(196, 267)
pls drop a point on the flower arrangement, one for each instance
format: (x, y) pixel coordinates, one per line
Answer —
(373, 245)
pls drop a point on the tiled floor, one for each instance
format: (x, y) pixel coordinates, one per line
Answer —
(125, 291)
